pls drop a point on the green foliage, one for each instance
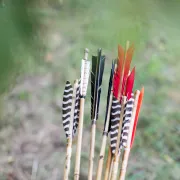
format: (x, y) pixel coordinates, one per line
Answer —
(17, 31)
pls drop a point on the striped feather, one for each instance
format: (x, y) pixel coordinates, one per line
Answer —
(77, 109)
(115, 117)
(66, 107)
(126, 121)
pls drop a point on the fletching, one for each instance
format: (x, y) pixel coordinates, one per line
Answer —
(93, 84)
(85, 69)
(128, 60)
(117, 84)
(96, 82)
(129, 55)
(130, 84)
(109, 92)
(114, 120)
(137, 114)
(66, 107)
(76, 109)
(126, 121)
(128, 109)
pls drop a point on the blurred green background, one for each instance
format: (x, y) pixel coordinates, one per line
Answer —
(41, 46)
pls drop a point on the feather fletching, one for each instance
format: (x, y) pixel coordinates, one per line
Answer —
(128, 60)
(66, 107)
(96, 82)
(130, 84)
(137, 115)
(109, 92)
(117, 84)
(93, 80)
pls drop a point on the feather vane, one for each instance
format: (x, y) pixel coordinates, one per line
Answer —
(137, 115)
(66, 107)
(96, 82)
(109, 93)
(117, 84)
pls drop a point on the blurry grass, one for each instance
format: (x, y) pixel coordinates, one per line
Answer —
(153, 28)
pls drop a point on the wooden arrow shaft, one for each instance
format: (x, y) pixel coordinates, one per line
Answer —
(68, 159)
(108, 165)
(104, 140)
(124, 164)
(79, 140)
(101, 158)
(91, 155)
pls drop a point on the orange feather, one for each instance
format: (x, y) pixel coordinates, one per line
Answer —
(129, 55)
(119, 73)
(137, 114)
(127, 65)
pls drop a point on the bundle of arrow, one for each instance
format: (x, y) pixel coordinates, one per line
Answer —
(122, 111)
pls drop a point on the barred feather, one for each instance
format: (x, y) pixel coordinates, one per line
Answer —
(66, 107)
(115, 117)
(77, 109)
(126, 121)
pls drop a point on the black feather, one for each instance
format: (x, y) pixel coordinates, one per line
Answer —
(96, 82)
(93, 80)
(109, 92)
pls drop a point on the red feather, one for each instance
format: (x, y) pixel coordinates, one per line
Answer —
(130, 84)
(137, 114)
(118, 74)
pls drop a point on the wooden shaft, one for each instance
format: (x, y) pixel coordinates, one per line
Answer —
(108, 164)
(117, 153)
(124, 164)
(101, 158)
(68, 158)
(111, 167)
(115, 165)
(127, 148)
(104, 140)
(79, 140)
(91, 155)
